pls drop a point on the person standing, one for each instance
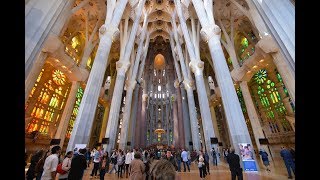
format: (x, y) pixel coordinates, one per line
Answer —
(104, 165)
(66, 165)
(32, 168)
(288, 161)
(179, 159)
(78, 165)
(206, 162)
(129, 157)
(214, 157)
(51, 163)
(96, 161)
(184, 156)
(120, 162)
(136, 168)
(201, 165)
(234, 165)
(265, 159)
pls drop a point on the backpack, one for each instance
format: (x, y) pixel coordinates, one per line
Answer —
(60, 170)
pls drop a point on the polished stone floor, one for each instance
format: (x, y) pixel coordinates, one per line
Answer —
(220, 172)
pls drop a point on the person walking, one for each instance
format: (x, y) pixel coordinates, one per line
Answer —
(234, 165)
(113, 162)
(265, 159)
(288, 161)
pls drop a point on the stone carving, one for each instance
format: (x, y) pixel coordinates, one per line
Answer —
(209, 31)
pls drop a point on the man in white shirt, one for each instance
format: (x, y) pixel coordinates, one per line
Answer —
(51, 163)
(129, 157)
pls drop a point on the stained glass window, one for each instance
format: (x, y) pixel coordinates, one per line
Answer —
(58, 77)
(46, 101)
(74, 112)
(271, 104)
(241, 100)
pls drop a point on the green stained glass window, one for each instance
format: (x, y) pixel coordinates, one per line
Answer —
(270, 100)
(261, 76)
(244, 42)
(241, 100)
(75, 110)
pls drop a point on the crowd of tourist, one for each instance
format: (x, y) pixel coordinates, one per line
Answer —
(135, 164)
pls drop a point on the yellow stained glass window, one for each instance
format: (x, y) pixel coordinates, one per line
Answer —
(59, 77)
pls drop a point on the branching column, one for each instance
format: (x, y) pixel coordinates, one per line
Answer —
(129, 92)
(188, 86)
(82, 128)
(196, 66)
(211, 33)
(122, 66)
(253, 116)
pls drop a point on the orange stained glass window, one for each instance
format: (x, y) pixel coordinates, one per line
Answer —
(59, 77)
(47, 100)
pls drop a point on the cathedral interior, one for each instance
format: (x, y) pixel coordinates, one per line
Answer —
(168, 73)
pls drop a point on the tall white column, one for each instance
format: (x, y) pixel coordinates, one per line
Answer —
(133, 117)
(63, 125)
(196, 66)
(129, 92)
(122, 66)
(82, 128)
(186, 118)
(188, 87)
(253, 116)
(39, 19)
(211, 33)
(175, 122)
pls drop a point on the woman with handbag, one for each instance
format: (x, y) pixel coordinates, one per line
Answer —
(66, 165)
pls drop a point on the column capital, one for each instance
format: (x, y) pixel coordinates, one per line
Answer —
(130, 84)
(209, 32)
(144, 97)
(196, 66)
(188, 84)
(176, 83)
(267, 44)
(122, 67)
(109, 30)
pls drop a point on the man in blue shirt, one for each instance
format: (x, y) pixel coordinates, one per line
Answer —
(288, 161)
(184, 156)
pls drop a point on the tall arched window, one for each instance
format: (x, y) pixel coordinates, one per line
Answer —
(47, 100)
(270, 102)
(74, 112)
